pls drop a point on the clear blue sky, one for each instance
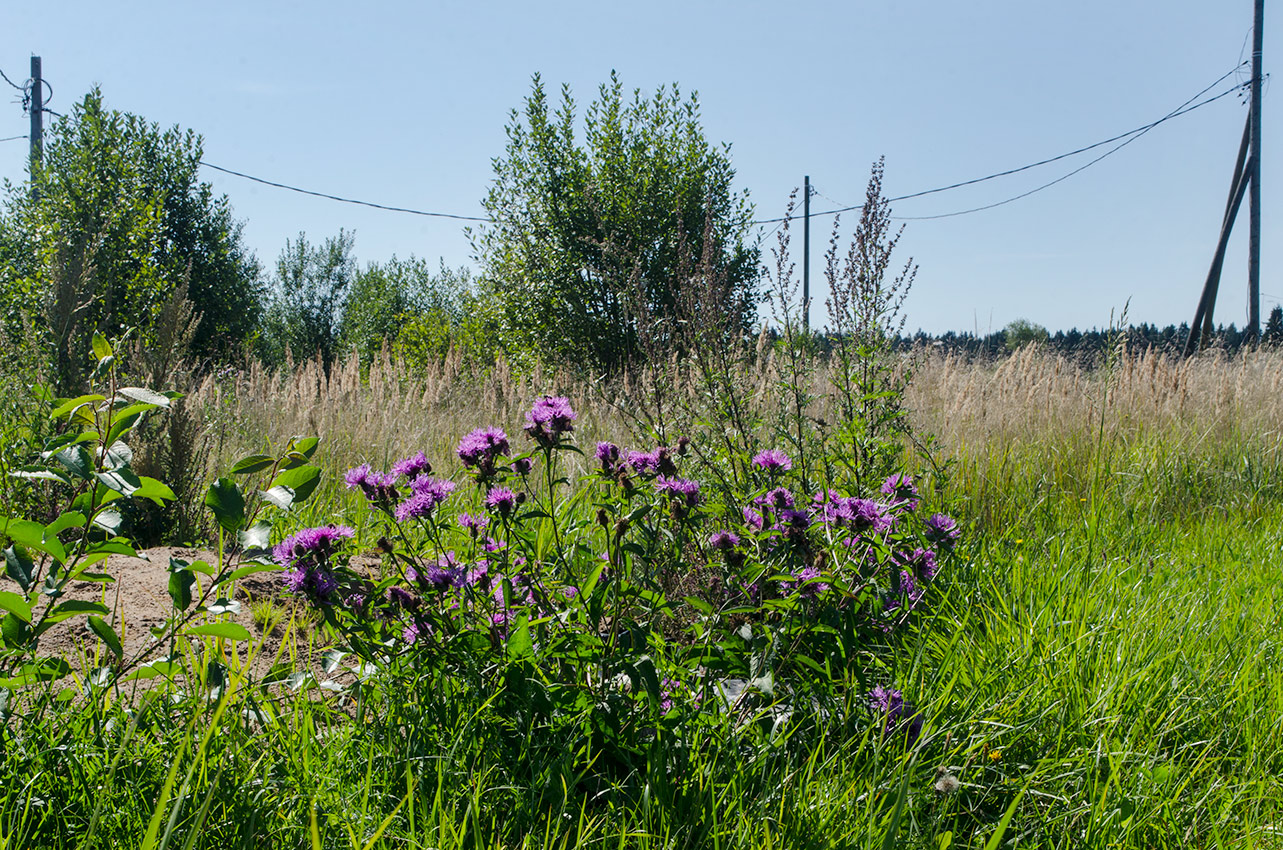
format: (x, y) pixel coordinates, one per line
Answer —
(405, 103)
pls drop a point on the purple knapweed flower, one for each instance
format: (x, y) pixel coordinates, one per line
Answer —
(481, 448)
(723, 540)
(474, 524)
(608, 456)
(445, 573)
(523, 465)
(501, 500)
(379, 488)
(305, 556)
(680, 490)
(864, 516)
(779, 499)
(795, 520)
(773, 461)
(411, 468)
(900, 491)
(753, 519)
(399, 597)
(426, 494)
(643, 462)
(897, 715)
(942, 530)
(923, 563)
(550, 417)
(804, 583)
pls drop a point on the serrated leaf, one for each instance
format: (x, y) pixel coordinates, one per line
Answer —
(21, 608)
(251, 464)
(144, 395)
(108, 635)
(228, 504)
(180, 588)
(230, 631)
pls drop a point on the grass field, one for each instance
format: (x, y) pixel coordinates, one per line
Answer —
(1099, 666)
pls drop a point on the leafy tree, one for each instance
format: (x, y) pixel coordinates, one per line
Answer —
(591, 246)
(308, 296)
(1022, 332)
(111, 227)
(1274, 327)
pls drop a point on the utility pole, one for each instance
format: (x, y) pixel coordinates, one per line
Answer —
(37, 110)
(806, 254)
(1254, 200)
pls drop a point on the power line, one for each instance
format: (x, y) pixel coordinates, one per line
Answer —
(340, 199)
(22, 89)
(12, 138)
(1137, 132)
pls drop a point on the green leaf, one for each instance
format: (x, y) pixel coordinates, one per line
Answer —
(34, 473)
(239, 574)
(65, 408)
(101, 347)
(230, 631)
(76, 460)
(302, 480)
(123, 481)
(20, 607)
(72, 608)
(66, 520)
(39, 670)
(256, 540)
(281, 497)
(144, 395)
(118, 546)
(124, 420)
(180, 588)
(157, 491)
(118, 455)
(14, 630)
(108, 635)
(699, 605)
(109, 520)
(252, 463)
(33, 535)
(18, 566)
(225, 500)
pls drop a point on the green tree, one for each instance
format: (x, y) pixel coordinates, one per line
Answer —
(591, 247)
(1022, 332)
(1273, 334)
(308, 297)
(113, 225)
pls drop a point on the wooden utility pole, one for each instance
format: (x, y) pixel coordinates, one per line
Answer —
(806, 254)
(37, 110)
(1254, 202)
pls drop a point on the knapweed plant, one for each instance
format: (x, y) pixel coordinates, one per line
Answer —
(609, 608)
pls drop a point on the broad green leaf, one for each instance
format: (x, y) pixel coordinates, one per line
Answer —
(109, 520)
(40, 670)
(32, 473)
(69, 519)
(281, 497)
(123, 481)
(239, 574)
(118, 455)
(101, 347)
(76, 460)
(108, 635)
(161, 667)
(33, 535)
(302, 480)
(19, 605)
(14, 630)
(72, 608)
(19, 566)
(180, 588)
(230, 631)
(157, 491)
(124, 420)
(252, 463)
(144, 395)
(118, 546)
(225, 500)
(66, 407)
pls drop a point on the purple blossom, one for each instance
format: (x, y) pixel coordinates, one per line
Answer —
(411, 468)
(643, 462)
(474, 524)
(481, 448)
(723, 540)
(426, 494)
(399, 597)
(863, 516)
(800, 584)
(923, 563)
(379, 488)
(523, 465)
(501, 500)
(795, 520)
(773, 461)
(780, 499)
(550, 417)
(753, 519)
(608, 456)
(900, 491)
(889, 705)
(942, 530)
(305, 556)
(679, 490)
(446, 572)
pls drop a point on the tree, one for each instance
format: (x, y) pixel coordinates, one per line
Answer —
(589, 247)
(1274, 327)
(308, 296)
(1022, 332)
(389, 297)
(114, 224)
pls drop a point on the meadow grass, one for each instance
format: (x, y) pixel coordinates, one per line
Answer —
(1099, 668)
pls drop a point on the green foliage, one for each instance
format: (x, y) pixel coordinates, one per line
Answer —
(1022, 332)
(111, 226)
(589, 245)
(1273, 333)
(308, 297)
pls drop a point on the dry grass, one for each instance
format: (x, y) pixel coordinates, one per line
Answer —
(1030, 398)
